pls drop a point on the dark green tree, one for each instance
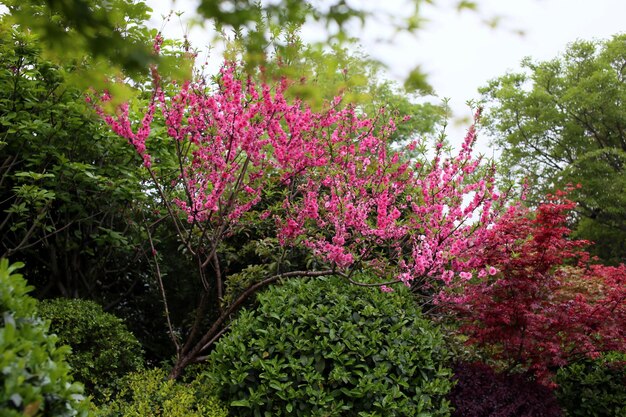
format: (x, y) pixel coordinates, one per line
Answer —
(564, 121)
(69, 191)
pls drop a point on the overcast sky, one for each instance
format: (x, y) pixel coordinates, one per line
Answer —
(459, 51)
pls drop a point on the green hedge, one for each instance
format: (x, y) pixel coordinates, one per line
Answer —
(326, 348)
(594, 388)
(34, 375)
(103, 350)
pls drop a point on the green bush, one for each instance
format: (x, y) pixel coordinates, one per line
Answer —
(34, 375)
(594, 388)
(103, 350)
(326, 348)
(150, 393)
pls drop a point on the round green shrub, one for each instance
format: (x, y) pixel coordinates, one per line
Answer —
(594, 388)
(327, 348)
(35, 378)
(103, 350)
(150, 393)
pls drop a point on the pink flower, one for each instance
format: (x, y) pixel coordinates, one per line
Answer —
(492, 271)
(385, 288)
(466, 275)
(447, 277)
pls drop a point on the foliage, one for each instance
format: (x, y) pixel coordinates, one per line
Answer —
(230, 156)
(481, 392)
(562, 121)
(68, 190)
(593, 388)
(104, 31)
(103, 350)
(115, 30)
(324, 347)
(35, 378)
(150, 393)
(542, 305)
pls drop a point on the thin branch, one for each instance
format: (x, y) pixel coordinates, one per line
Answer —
(367, 284)
(163, 296)
(195, 328)
(213, 339)
(170, 211)
(218, 277)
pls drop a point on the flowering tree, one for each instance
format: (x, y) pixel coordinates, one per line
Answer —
(326, 180)
(545, 305)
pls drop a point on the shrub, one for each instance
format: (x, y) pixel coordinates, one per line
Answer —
(150, 393)
(34, 375)
(481, 392)
(594, 388)
(327, 348)
(103, 350)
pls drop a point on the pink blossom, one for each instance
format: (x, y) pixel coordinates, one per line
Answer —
(465, 275)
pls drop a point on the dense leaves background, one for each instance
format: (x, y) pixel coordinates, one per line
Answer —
(68, 190)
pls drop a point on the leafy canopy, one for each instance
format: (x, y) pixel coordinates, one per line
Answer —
(563, 121)
(115, 32)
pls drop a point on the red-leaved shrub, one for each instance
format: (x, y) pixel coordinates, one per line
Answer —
(543, 304)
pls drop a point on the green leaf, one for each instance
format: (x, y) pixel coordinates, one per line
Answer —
(240, 403)
(417, 82)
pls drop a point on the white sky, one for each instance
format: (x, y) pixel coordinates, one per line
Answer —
(458, 50)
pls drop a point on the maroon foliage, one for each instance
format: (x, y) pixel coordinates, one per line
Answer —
(481, 392)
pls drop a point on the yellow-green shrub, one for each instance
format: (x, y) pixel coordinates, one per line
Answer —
(150, 393)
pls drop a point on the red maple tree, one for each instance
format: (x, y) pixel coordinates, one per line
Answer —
(545, 304)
